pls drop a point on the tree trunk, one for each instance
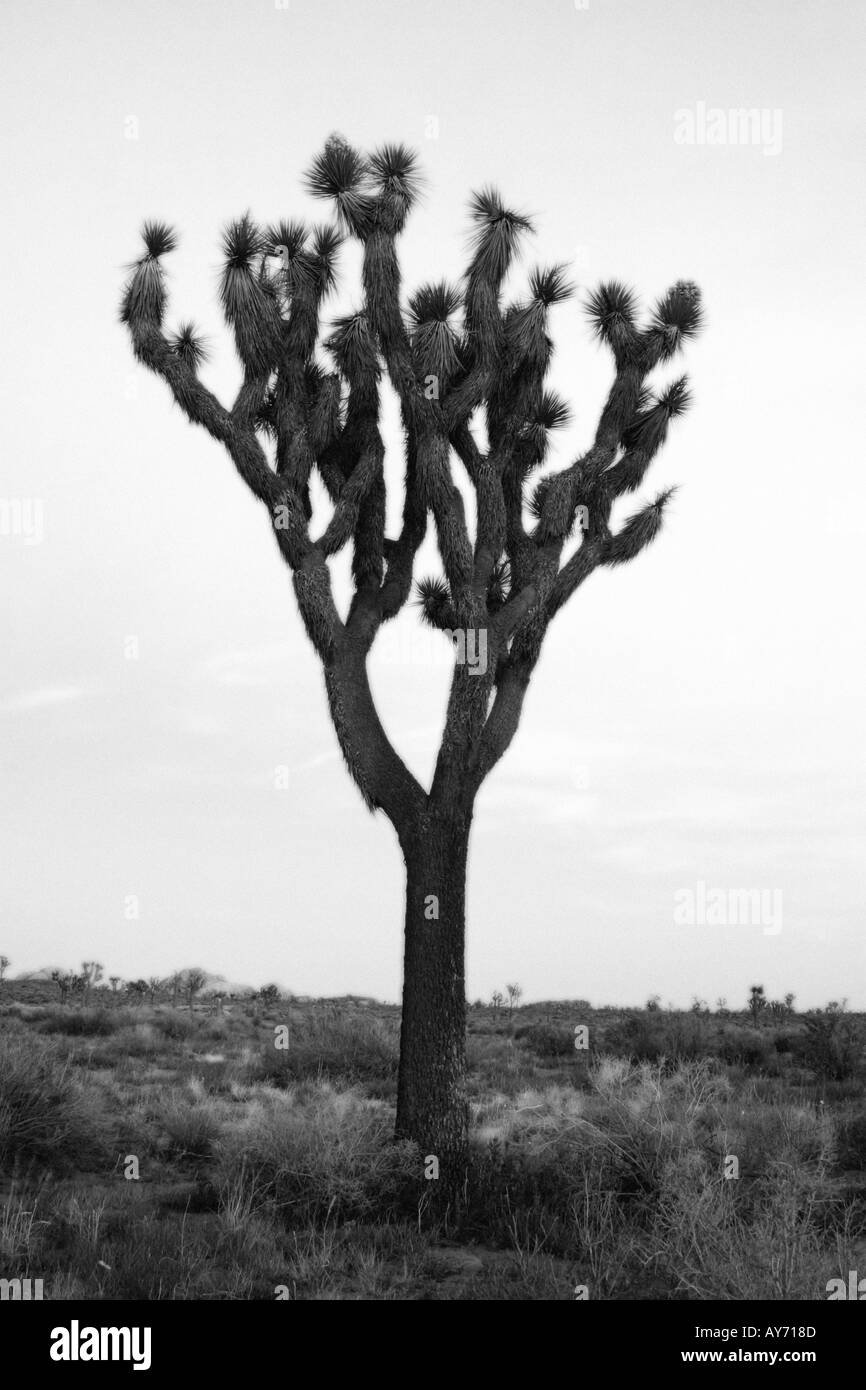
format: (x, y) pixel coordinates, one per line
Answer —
(432, 1104)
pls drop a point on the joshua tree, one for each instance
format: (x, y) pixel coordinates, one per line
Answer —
(154, 985)
(453, 354)
(780, 1009)
(194, 981)
(4, 966)
(514, 992)
(114, 981)
(496, 1000)
(91, 974)
(175, 982)
(64, 980)
(757, 1002)
(136, 990)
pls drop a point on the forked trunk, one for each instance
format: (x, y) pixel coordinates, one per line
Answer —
(432, 1103)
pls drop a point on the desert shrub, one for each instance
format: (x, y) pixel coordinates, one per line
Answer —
(191, 1128)
(214, 1029)
(651, 1036)
(331, 1153)
(760, 1135)
(546, 1039)
(744, 1047)
(22, 1013)
(80, 1023)
(579, 1173)
(175, 1026)
(851, 1140)
(357, 1048)
(832, 1047)
(708, 1243)
(47, 1116)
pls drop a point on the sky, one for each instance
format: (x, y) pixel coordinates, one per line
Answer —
(172, 791)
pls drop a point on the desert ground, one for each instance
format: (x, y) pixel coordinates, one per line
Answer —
(174, 1149)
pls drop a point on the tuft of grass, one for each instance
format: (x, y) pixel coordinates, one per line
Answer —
(350, 1049)
(326, 1154)
(80, 1023)
(48, 1117)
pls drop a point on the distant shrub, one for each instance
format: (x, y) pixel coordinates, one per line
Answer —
(178, 1027)
(744, 1048)
(832, 1047)
(80, 1023)
(192, 1129)
(354, 1048)
(546, 1039)
(649, 1037)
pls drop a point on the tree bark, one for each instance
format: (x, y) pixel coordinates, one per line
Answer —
(432, 1102)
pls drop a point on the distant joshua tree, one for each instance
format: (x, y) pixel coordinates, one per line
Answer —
(154, 985)
(194, 982)
(497, 1000)
(115, 981)
(514, 992)
(64, 980)
(4, 966)
(453, 354)
(91, 974)
(757, 1002)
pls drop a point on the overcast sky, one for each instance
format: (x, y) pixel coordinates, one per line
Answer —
(697, 717)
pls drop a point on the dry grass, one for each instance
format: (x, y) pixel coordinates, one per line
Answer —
(268, 1174)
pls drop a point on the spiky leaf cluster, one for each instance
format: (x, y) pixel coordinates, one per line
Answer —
(549, 412)
(639, 531)
(434, 600)
(249, 300)
(189, 345)
(677, 316)
(341, 174)
(496, 234)
(435, 340)
(393, 172)
(612, 309)
(353, 347)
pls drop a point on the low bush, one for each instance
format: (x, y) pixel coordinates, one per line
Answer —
(48, 1117)
(80, 1023)
(330, 1154)
(546, 1039)
(352, 1049)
